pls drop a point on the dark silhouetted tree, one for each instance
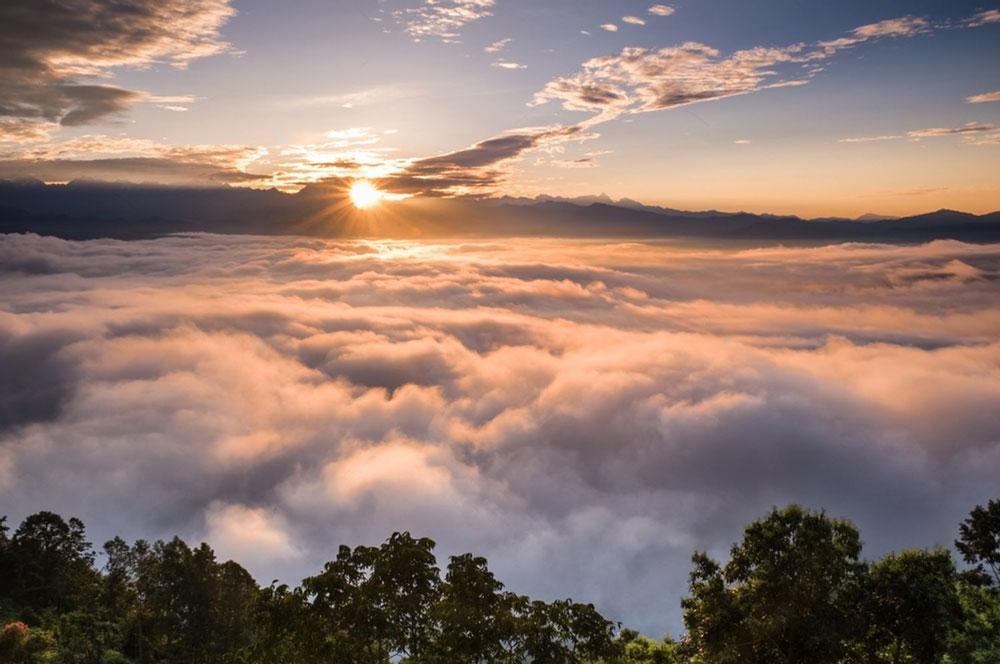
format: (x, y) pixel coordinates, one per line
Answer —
(979, 541)
(54, 562)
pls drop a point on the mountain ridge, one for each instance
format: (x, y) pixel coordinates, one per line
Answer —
(81, 209)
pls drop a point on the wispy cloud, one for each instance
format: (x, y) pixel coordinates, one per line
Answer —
(984, 18)
(634, 20)
(498, 45)
(971, 128)
(974, 133)
(610, 27)
(443, 18)
(643, 79)
(482, 167)
(379, 94)
(906, 26)
(984, 98)
(871, 139)
(507, 64)
(661, 10)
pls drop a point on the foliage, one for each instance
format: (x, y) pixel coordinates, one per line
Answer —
(977, 639)
(794, 591)
(911, 607)
(785, 595)
(979, 541)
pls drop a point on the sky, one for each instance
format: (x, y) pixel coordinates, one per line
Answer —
(584, 413)
(787, 107)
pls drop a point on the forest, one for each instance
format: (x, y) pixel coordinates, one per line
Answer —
(795, 590)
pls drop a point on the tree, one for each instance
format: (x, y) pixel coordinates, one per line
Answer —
(351, 606)
(784, 596)
(566, 632)
(83, 638)
(638, 649)
(979, 541)
(54, 562)
(977, 639)
(470, 612)
(911, 607)
(407, 583)
(286, 630)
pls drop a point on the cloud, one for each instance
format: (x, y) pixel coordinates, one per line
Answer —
(49, 47)
(871, 139)
(506, 64)
(443, 18)
(971, 128)
(641, 79)
(610, 27)
(20, 131)
(983, 98)
(97, 156)
(645, 79)
(497, 46)
(634, 20)
(254, 535)
(582, 162)
(742, 141)
(973, 133)
(379, 94)
(610, 405)
(481, 167)
(661, 10)
(907, 26)
(983, 18)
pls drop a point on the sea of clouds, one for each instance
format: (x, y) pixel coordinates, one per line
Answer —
(584, 414)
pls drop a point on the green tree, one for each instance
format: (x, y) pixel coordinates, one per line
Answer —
(83, 638)
(979, 541)
(566, 632)
(977, 639)
(470, 613)
(54, 564)
(784, 596)
(911, 606)
(286, 629)
(638, 649)
(407, 583)
(347, 603)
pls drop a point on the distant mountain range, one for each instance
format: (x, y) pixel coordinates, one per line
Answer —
(82, 209)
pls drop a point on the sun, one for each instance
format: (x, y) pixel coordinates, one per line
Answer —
(364, 194)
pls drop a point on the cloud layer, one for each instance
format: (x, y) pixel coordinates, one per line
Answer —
(583, 414)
